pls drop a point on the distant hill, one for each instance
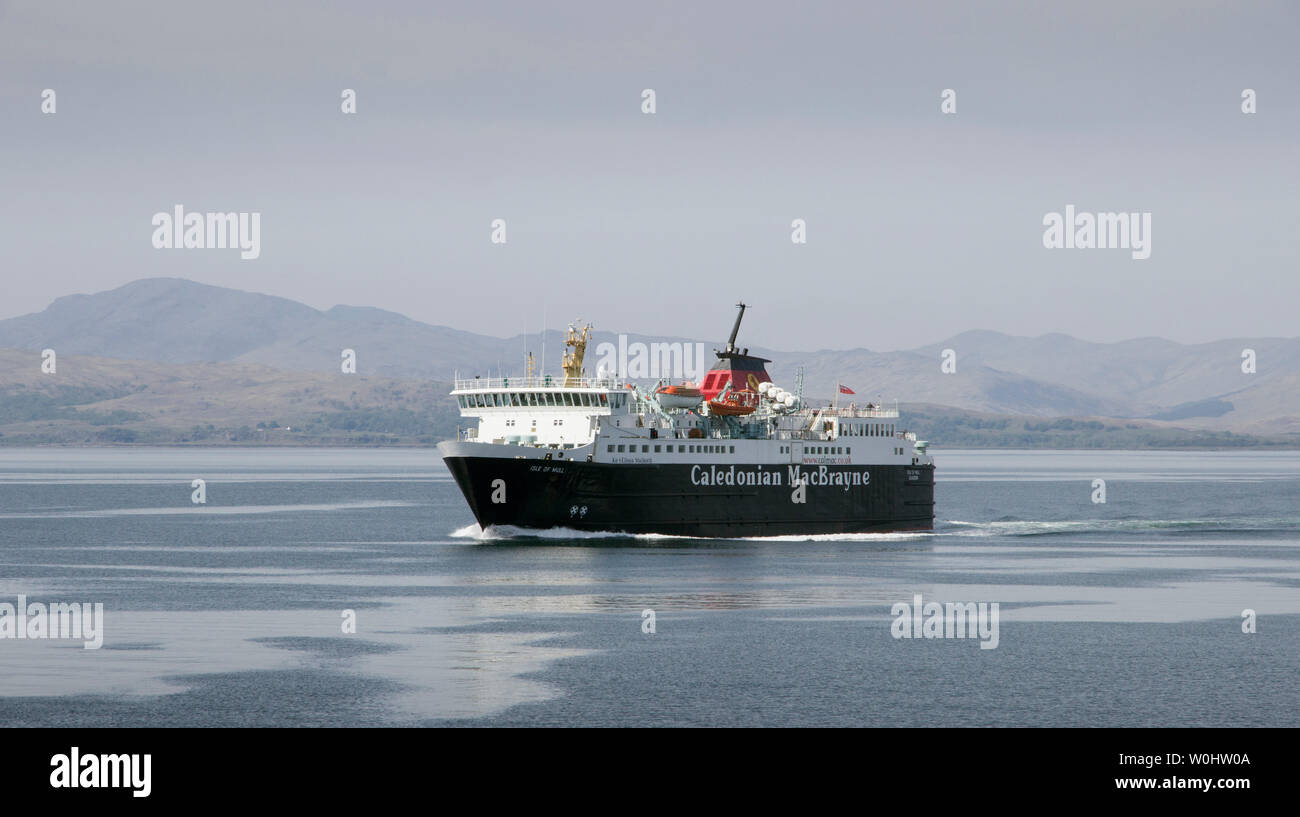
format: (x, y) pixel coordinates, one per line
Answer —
(106, 401)
(174, 321)
(92, 400)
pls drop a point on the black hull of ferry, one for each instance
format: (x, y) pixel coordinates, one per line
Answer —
(669, 499)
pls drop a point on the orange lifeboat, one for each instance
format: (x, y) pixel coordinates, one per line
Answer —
(734, 404)
(685, 396)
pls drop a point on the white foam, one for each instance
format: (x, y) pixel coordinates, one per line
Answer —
(192, 509)
(508, 532)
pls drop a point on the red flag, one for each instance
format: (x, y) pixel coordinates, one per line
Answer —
(846, 390)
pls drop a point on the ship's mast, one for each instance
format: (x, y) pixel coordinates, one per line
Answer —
(735, 330)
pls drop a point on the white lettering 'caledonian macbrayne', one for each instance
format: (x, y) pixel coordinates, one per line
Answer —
(713, 475)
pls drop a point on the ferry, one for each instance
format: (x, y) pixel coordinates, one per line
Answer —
(735, 456)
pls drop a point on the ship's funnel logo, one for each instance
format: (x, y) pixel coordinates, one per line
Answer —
(641, 361)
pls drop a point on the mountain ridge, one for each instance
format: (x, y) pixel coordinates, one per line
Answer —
(177, 321)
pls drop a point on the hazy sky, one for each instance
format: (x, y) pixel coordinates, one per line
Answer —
(920, 225)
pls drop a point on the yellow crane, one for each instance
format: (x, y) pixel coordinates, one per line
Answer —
(572, 360)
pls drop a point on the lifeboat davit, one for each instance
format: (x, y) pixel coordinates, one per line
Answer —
(685, 396)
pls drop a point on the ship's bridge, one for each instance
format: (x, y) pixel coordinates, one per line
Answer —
(539, 410)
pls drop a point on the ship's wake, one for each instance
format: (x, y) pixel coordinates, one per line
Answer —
(1075, 527)
(508, 533)
(1005, 527)
(505, 533)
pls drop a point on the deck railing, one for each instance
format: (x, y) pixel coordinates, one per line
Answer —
(549, 381)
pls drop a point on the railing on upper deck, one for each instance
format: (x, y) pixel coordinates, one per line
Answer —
(549, 381)
(845, 411)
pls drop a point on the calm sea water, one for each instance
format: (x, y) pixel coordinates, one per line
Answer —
(1127, 613)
